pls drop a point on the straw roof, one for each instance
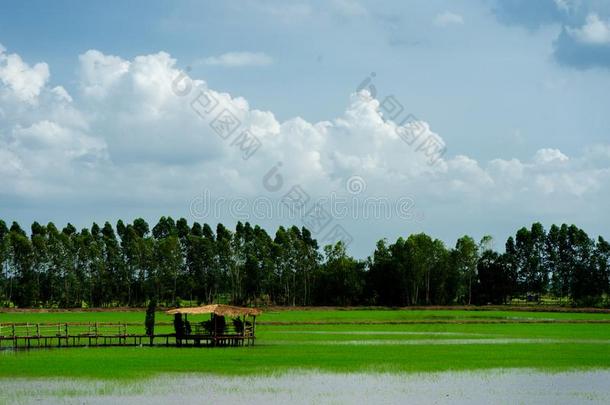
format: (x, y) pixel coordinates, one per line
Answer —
(216, 309)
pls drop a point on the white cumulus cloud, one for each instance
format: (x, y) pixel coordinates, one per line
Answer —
(548, 155)
(137, 133)
(23, 80)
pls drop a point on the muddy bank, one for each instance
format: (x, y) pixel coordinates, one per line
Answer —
(516, 308)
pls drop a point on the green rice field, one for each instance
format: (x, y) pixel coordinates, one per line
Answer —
(335, 340)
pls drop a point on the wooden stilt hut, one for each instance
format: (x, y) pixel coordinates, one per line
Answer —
(216, 331)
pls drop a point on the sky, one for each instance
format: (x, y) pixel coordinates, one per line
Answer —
(362, 120)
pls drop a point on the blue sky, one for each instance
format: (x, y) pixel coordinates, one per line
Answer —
(517, 91)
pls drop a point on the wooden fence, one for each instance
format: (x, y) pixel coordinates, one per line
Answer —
(48, 335)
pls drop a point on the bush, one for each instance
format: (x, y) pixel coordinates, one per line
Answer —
(179, 326)
(149, 322)
(238, 324)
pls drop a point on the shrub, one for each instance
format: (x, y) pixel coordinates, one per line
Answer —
(238, 324)
(179, 326)
(149, 322)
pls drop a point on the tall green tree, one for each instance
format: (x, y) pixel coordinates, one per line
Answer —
(5, 293)
(341, 278)
(466, 259)
(22, 263)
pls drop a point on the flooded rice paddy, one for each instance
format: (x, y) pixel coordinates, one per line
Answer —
(329, 362)
(300, 387)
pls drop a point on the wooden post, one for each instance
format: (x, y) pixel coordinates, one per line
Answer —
(243, 332)
(214, 333)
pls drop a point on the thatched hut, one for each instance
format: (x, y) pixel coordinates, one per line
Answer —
(215, 331)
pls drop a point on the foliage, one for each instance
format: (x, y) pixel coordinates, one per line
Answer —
(123, 265)
(149, 322)
(220, 324)
(179, 326)
(238, 324)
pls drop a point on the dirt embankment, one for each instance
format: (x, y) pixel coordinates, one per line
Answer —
(523, 308)
(518, 308)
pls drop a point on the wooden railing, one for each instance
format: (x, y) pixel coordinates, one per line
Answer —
(19, 330)
(25, 335)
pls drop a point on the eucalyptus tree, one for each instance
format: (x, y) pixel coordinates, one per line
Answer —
(585, 285)
(200, 263)
(69, 274)
(444, 277)
(386, 282)
(310, 262)
(290, 268)
(113, 265)
(602, 257)
(4, 264)
(212, 276)
(169, 260)
(341, 278)
(284, 271)
(41, 262)
(421, 260)
(226, 261)
(466, 258)
(130, 267)
(530, 248)
(261, 284)
(22, 263)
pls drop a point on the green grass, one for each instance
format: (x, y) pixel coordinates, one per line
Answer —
(329, 346)
(314, 315)
(363, 315)
(141, 362)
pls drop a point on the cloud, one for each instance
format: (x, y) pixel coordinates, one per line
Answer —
(239, 59)
(567, 5)
(448, 18)
(530, 14)
(572, 49)
(583, 41)
(99, 72)
(132, 137)
(23, 81)
(594, 32)
(547, 155)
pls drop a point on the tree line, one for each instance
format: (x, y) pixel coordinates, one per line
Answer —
(131, 264)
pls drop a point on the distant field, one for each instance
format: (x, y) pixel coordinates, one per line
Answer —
(289, 315)
(338, 340)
